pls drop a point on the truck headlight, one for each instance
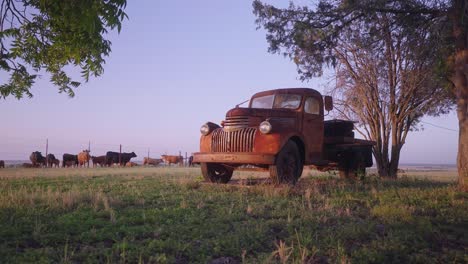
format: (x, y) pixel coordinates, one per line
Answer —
(265, 127)
(205, 129)
(208, 127)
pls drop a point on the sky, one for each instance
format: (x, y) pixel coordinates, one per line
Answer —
(175, 65)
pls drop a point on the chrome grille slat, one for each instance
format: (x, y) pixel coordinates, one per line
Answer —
(236, 122)
(241, 140)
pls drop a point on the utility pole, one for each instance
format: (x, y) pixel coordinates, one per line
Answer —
(47, 152)
(147, 157)
(89, 151)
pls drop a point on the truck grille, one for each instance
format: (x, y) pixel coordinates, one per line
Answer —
(241, 140)
(236, 122)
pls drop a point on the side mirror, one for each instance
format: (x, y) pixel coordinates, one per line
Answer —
(328, 103)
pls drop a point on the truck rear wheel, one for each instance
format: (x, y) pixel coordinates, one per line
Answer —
(216, 173)
(347, 173)
(354, 167)
(288, 165)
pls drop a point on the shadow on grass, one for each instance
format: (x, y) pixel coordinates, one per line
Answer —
(331, 181)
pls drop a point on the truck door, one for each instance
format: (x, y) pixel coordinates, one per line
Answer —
(312, 129)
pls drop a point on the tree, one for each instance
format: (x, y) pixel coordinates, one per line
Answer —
(385, 81)
(447, 19)
(49, 35)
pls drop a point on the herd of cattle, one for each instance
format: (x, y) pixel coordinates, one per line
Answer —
(111, 158)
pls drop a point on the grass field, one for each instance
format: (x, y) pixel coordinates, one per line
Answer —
(167, 215)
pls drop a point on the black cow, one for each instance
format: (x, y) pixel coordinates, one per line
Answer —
(50, 160)
(37, 159)
(113, 157)
(69, 160)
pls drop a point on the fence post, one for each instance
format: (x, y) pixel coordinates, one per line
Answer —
(46, 153)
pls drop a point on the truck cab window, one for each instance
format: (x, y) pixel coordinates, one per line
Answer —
(312, 106)
(263, 102)
(288, 101)
(285, 101)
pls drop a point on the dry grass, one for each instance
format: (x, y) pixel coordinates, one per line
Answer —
(96, 172)
(242, 177)
(167, 215)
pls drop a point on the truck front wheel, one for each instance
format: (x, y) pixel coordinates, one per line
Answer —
(288, 165)
(216, 173)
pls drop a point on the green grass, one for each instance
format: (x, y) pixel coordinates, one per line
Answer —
(153, 215)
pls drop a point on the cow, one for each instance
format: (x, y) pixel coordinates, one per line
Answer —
(190, 161)
(50, 158)
(69, 163)
(37, 159)
(131, 164)
(120, 158)
(56, 163)
(169, 159)
(69, 160)
(101, 160)
(83, 158)
(150, 161)
(2, 164)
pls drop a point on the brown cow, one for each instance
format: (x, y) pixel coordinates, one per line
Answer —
(56, 163)
(101, 160)
(2, 164)
(83, 158)
(131, 164)
(170, 159)
(150, 161)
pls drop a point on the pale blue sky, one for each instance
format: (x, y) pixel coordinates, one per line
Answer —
(175, 65)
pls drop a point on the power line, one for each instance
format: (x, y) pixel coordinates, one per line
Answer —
(441, 127)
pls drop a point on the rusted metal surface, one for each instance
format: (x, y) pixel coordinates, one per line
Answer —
(238, 141)
(235, 157)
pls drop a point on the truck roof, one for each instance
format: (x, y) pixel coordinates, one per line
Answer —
(302, 91)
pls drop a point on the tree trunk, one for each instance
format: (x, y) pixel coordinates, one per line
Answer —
(384, 167)
(460, 80)
(393, 168)
(462, 161)
(461, 90)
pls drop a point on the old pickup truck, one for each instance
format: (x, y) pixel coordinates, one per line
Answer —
(281, 131)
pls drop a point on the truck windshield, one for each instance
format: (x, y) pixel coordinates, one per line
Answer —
(288, 101)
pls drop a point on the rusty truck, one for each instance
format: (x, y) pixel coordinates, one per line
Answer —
(281, 131)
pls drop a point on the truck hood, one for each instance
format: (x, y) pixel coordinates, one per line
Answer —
(237, 118)
(261, 113)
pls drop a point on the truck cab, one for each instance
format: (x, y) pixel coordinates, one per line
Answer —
(280, 131)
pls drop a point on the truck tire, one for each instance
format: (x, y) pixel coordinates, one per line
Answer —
(288, 165)
(347, 173)
(216, 173)
(353, 166)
